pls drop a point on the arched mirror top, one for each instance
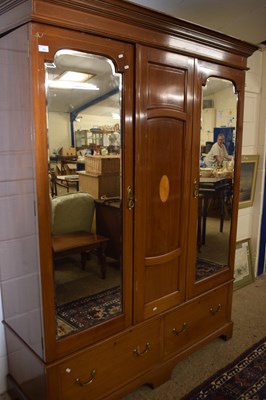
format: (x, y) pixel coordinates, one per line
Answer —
(215, 84)
(76, 79)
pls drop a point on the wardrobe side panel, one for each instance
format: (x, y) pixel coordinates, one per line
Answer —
(19, 261)
(27, 373)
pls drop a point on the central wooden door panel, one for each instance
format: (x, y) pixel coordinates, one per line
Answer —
(163, 140)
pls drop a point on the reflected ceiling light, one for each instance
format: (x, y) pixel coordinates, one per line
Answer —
(72, 80)
(73, 76)
(78, 118)
(71, 85)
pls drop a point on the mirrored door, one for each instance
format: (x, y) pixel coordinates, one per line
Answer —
(85, 158)
(84, 148)
(215, 177)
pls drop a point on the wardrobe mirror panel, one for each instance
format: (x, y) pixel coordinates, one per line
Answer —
(216, 180)
(83, 93)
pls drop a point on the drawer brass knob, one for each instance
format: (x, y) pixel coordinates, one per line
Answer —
(183, 329)
(141, 353)
(89, 381)
(214, 311)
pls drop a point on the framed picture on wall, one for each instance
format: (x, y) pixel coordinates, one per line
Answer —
(248, 176)
(243, 272)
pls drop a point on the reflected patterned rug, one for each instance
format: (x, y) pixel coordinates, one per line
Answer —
(243, 379)
(88, 311)
(207, 268)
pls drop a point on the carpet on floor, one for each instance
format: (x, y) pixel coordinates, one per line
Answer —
(206, 268)
(88, 311)
(243, 379)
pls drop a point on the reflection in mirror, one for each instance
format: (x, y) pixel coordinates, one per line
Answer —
(84, 137)
(217, 145)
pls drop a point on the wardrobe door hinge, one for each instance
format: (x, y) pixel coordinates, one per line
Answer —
(130, 198)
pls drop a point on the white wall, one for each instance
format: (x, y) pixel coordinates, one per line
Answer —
(223, 113)
(89, 121)
(59, 131)
(59, 128)
(254, 142)
(225, 103)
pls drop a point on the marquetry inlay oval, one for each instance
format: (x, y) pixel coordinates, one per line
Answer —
(164, 188)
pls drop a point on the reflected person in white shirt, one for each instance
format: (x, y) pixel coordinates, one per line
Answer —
(217, 154)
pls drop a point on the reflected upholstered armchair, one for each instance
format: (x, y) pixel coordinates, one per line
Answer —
(71, 220)
(72, 213)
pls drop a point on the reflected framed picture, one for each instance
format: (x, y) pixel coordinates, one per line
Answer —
(243, 271)
(248, 176)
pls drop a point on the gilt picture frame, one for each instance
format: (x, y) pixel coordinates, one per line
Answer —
(248, 176)
(243, 271)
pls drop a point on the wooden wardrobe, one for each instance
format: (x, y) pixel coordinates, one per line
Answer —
(168, 309)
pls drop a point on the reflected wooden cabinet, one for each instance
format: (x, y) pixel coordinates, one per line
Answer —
(100, 185)
(108, 221)
(159, 307)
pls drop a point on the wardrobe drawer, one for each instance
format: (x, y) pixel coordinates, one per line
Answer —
(195, 320)
(110, 364)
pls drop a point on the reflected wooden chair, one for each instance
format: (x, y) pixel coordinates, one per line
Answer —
(71, 220)
(52, 180)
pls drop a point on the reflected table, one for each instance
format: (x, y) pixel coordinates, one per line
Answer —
(108, 223)
(212, 188)
(67, 180)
